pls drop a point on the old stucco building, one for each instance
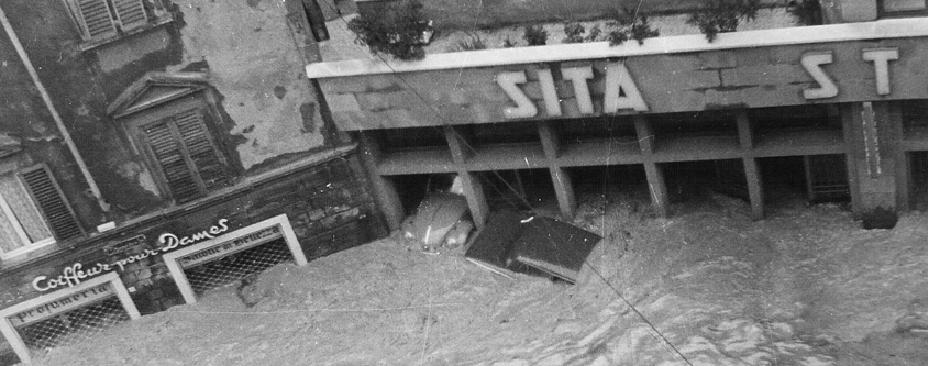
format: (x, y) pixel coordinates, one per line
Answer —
(125, 120)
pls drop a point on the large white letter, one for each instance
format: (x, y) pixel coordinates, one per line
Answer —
(880, 58)
(619, 79)
(812, 62)
(579, 75)
(552, 103)
(524, 107)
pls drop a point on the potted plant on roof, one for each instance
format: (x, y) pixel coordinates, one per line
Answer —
(399, 29)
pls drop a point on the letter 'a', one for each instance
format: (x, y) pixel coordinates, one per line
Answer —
(619, 79)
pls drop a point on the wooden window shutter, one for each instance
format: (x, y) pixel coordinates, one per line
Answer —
(96, 18)
(131, 14)
(48, 197)
(167, 150)
(203, 154)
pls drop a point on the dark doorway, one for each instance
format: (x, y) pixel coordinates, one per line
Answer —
(693, 179)
(918, 189)
(413, 188)
(522, 189)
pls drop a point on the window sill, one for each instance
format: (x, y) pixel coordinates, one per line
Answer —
(19, 257)
(92, 44)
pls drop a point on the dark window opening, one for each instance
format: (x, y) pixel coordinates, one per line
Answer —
(918, 188)
(796, 118)
(695, 180)
(613, 182)
(607, 128)
(501, 133)
(412, 189)
(710, 123)
(522, 189)
(914, 119)
(826, 178)
(413, 138)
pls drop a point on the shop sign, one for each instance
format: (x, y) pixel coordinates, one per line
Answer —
(230, 247)
(69, 302)
(813, 62)
(621, 92)
(73, 275)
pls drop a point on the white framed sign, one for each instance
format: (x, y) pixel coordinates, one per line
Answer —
(58, 302)
(230, 243)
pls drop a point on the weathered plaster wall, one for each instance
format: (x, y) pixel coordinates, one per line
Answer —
(256, 65)
(28, 130)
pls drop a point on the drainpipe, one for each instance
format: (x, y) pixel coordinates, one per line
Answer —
(8, 28)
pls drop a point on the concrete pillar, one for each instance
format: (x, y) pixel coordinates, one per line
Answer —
(385, 193)
(751, 172)
(755, 187)
(871, 140)
(563, 185)
(652, 170)
(473, 190)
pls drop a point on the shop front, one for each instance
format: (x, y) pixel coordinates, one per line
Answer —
(284, 216)
(834, 105)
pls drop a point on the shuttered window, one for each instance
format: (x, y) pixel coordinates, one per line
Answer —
(96, 19)
(107, 19)
(184, 150)
(130, 13)
(33, 212)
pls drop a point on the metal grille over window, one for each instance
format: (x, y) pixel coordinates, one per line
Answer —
(189, 161)
(73, 326)
(229, 269)
(827, 177)
(48, 197)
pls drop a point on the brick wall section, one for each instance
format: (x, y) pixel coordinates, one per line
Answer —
(748, 77)
(329, 207)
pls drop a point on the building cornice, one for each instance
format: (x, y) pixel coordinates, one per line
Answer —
(881, 29)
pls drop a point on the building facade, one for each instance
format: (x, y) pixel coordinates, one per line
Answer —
(128, 122)
(831, 111)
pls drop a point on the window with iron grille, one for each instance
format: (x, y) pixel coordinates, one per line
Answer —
(103, 20)
(185, 155)
(33, 212)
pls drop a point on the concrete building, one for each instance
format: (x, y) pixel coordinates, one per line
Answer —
(128, 122)
(830, 112)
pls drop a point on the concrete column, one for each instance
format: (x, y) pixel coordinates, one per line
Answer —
(385, 193)
(563, 185)
(653, 172)
(473, 190)
(872, 144)
(751, 172)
